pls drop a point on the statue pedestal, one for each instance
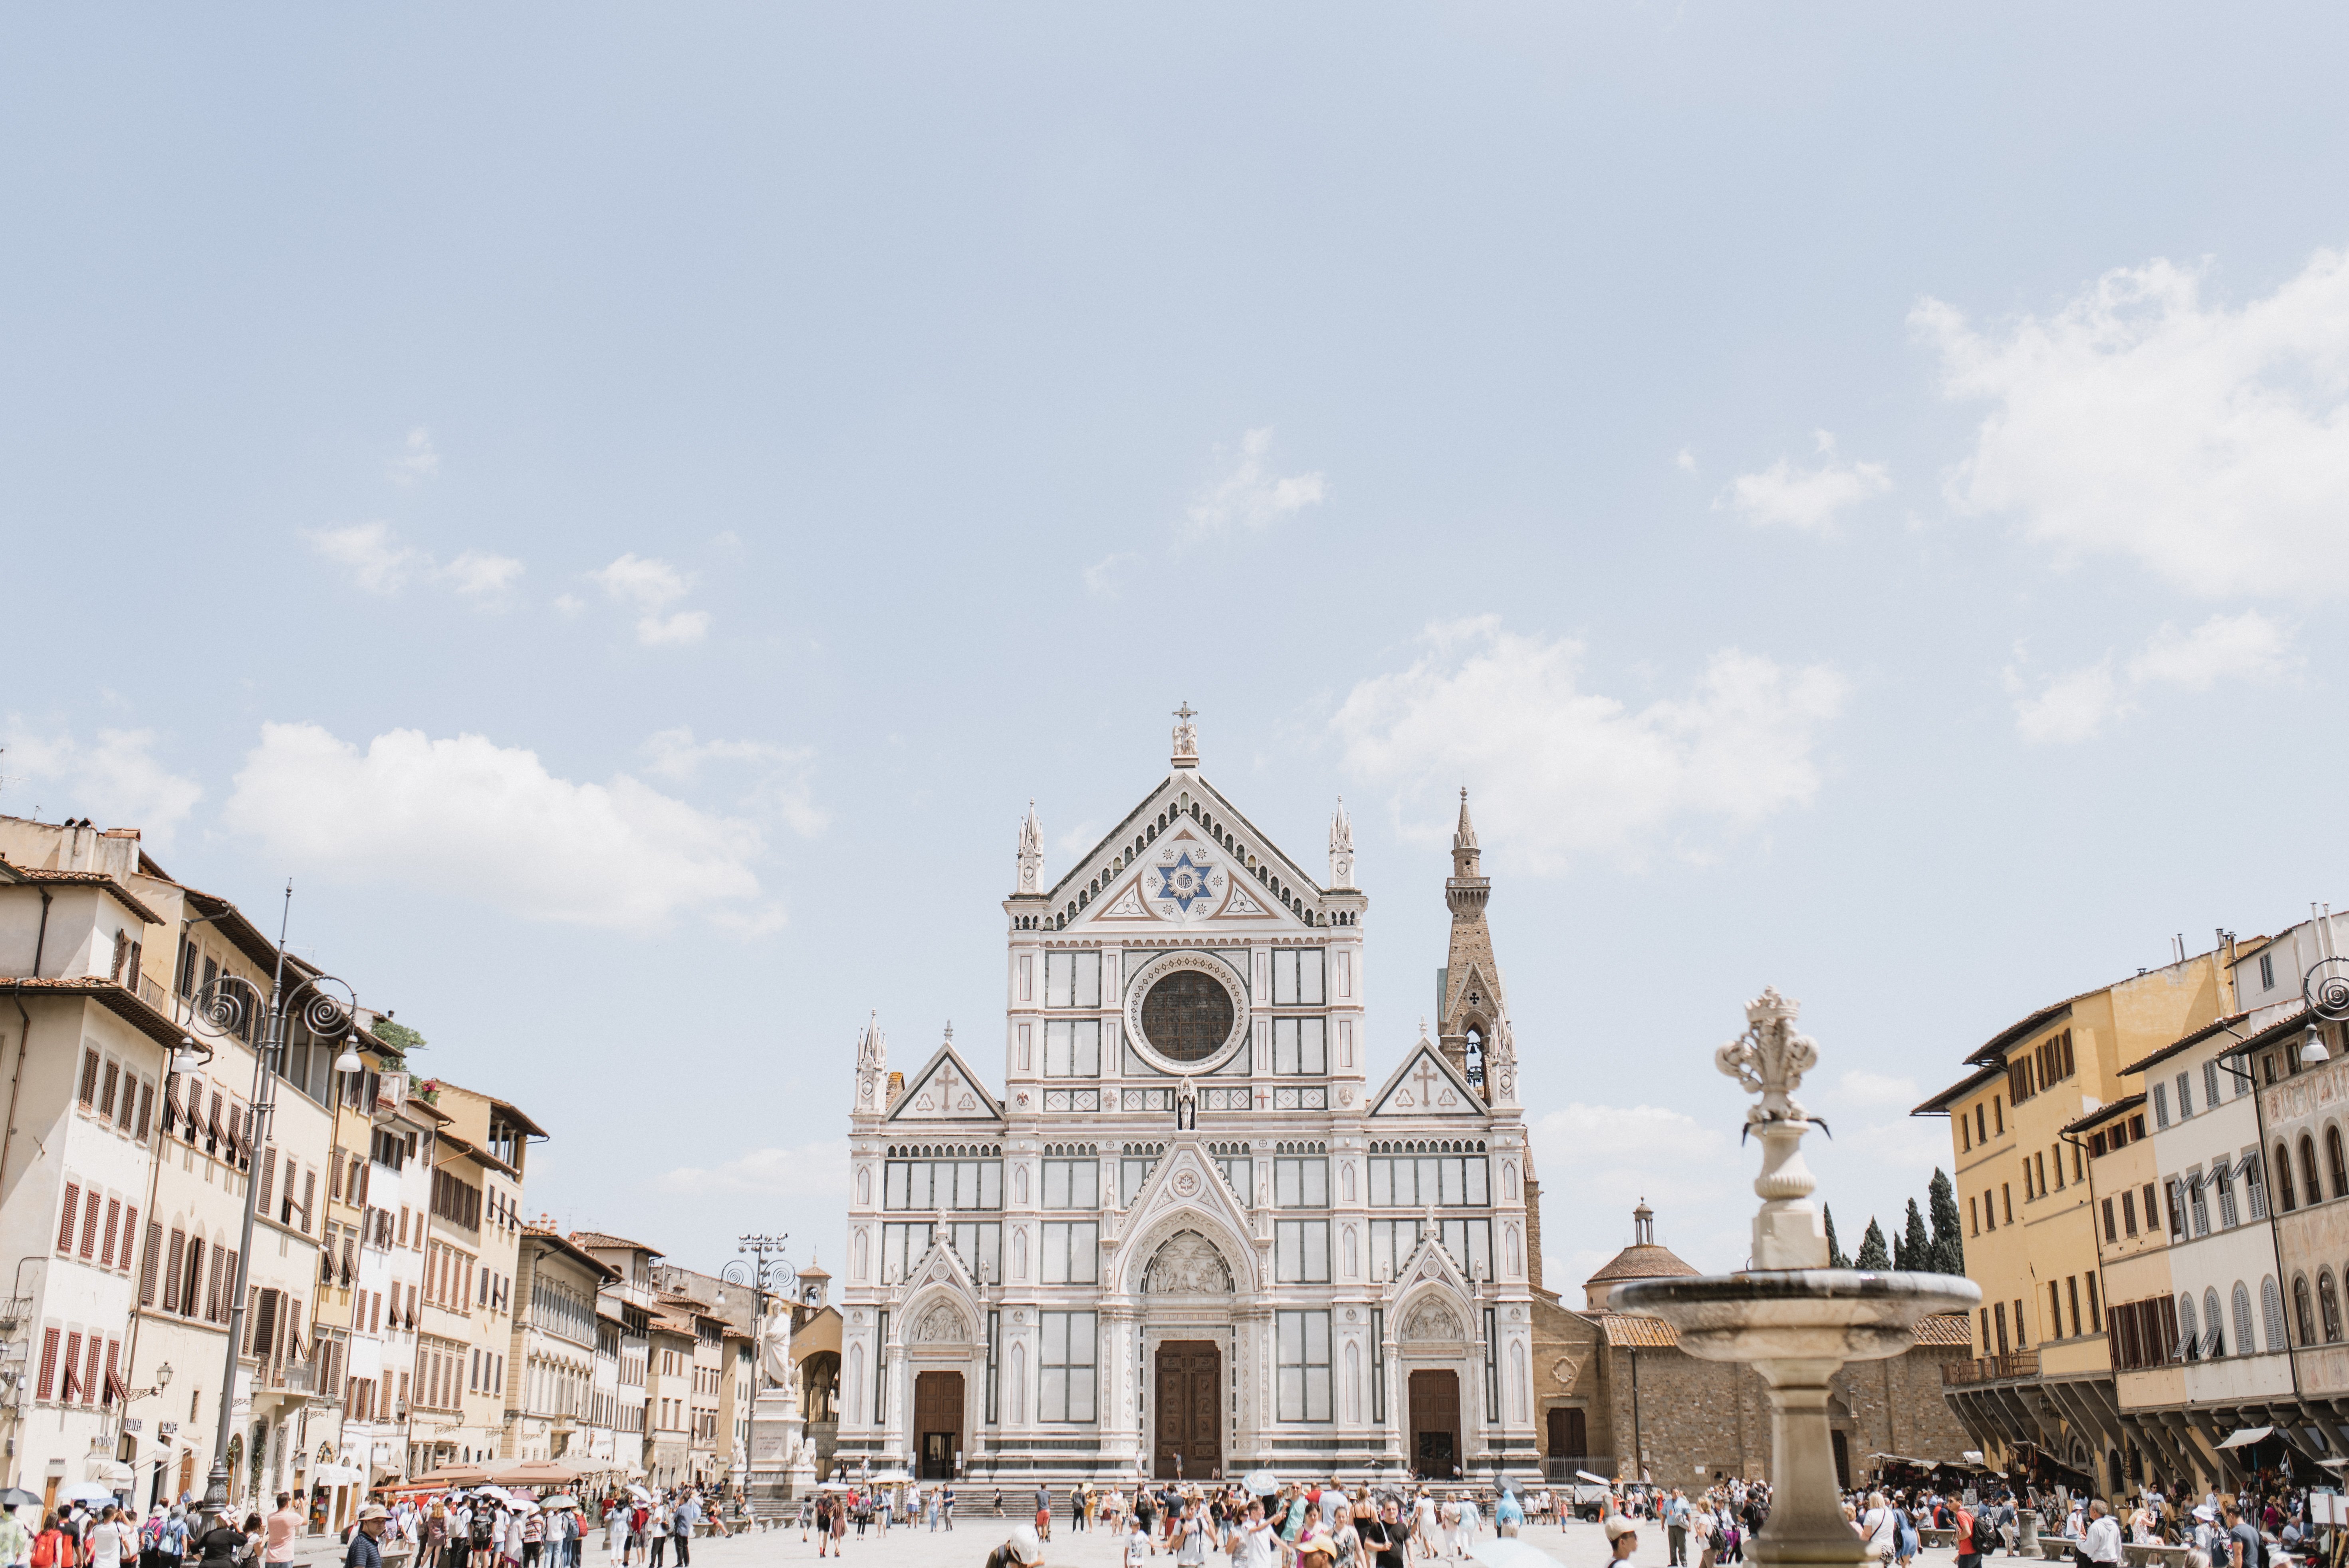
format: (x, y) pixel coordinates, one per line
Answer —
(782, 1460)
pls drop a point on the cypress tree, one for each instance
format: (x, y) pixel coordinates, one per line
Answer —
(1948, 1248)
(1836, 1260)
(1872, 1252)
(1913, 1245)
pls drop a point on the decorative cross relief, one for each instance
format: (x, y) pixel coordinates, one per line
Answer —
(1770, 1059)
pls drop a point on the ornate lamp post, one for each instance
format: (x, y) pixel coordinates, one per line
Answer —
(232, 1006)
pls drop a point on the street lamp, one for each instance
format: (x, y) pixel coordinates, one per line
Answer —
(231, 1006)
(768, 1269)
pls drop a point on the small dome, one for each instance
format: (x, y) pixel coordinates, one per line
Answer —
(1643, 1259)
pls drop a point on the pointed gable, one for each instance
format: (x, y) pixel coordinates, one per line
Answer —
(1183, 856)
(945, 1090)
(1425, 1085)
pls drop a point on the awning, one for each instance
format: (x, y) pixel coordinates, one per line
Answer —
(113, 1472)
(335, 1475)
(1594, 1480)
(2246, 1437)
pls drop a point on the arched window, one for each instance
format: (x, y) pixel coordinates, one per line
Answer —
(1019, 1184)
(2307, 1182)
(1019, 1383)
(858, 1273)
(2214, 1336)
(2328, 1306)
(2244, 1343)
(2283, 1178)
(1517, 1381)
(853, 1384)
(1353, 1381)
(2304, 1308)
(1020, 1252)
(2189, 1336)
(1509, 1179)
(1346, 1180)
(2271, 1313)
(1516, 1259)
(2335, 1168)
(1353, 1258)
(864, 1184)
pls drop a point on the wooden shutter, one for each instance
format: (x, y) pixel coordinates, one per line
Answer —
(268, 1179)
(171, 1269)
(89, 1078)
(49, 1385)
(66, 1222)
(113, 1224)
(105, 1090)
(149, 1269)
(309, 1188)
(130, 1236)
(212, 1287)
(89, 1225)
(72, 1384)
(90, 1383)
(261, 1333)
(146, 1108)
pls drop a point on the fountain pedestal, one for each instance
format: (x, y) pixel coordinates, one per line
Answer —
(1794, 1320)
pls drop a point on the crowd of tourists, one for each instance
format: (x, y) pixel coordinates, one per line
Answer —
(483, 1527)
(2266, 1526)
(1305, 1524)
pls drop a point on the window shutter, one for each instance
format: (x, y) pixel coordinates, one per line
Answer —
(309, 1187)
(113, 1223)
(113, 1377)
(212, 1286)
(105, 1090)
(171, 1270)
(146, 1108)
(89, 1375)
(48, 1363)
(261, 1328)
(268, 1178)
(65, 1222)
(89, 1078)
(72, 1385)
(89, 1213)
(130, 1237)
(147, 1269)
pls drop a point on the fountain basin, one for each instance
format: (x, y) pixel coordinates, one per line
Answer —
(1796, 1328)
(1848, 1314)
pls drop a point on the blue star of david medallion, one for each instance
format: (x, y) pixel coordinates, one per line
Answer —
(1185, 882)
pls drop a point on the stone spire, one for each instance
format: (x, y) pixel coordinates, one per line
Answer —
(1031, 850)
(1341, 848)
(871, 1067)
(1475, 1017)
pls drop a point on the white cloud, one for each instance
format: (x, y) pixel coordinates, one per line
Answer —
(1248, 494)
(2249, 647)
(477, 574)
(1104, 577)
(2077, 704)
(781, 787)
(1619, 1156)
(2074, 706)
(570, 605)
(1559, 771)
(379, 564)
(810, 1173)
(464, 815)
(651, 586)
(2210, 445)
(417, 459)
(115, 781)
(1807, 498)
(1685, 461)
(376, 563)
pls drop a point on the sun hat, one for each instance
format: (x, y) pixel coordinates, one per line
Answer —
(1618, 1526)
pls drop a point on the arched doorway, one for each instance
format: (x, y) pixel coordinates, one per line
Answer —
(1189, 1445)
(1569, 1441)
(938, 1423)
(1436, 1423)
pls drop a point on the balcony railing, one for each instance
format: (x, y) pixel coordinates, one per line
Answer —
(1990, 1369)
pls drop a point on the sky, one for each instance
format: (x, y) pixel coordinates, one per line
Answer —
(626, 506)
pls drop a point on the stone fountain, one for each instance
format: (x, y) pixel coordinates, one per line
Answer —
(1794, 1319)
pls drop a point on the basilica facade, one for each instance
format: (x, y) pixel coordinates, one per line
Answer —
(1193, 1234)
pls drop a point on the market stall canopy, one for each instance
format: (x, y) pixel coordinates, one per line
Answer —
(533, 1472)
(1594, 1480)
(2246, 1437)
(455, 1475)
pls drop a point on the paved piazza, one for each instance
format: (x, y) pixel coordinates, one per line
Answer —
(1576, 1545)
